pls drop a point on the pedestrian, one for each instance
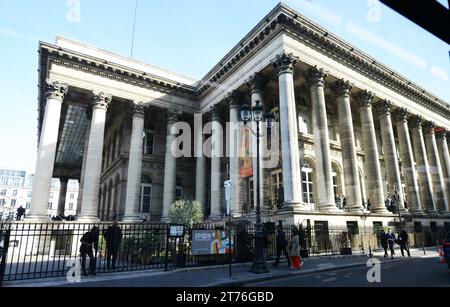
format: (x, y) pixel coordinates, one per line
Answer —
(369, 205)
(387, 203)
(344, 203)
(281, 246)
(294, 249)
(391, 241)
(88, 241)
(113, 238)
(403, 242)
(384, 243)
(20, 213)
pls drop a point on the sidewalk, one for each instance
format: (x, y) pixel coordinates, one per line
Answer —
(216, 276)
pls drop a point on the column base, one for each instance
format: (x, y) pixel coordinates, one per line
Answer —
(357, 210)
(165, 219)
(381, 211)
(418, 212)
(329, 208)
(432, 212)
(131, 219)
(37, 218)
(445, 213)
(88, 219)
(294, 206)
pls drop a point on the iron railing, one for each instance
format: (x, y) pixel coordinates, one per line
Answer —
(42, 250)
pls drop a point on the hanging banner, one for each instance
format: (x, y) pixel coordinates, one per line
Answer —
(245, 159)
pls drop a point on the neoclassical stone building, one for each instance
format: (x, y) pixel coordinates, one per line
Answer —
(349, 126)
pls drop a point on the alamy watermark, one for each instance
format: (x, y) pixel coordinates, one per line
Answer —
(74, 272)
(73, 11)
(374, 273)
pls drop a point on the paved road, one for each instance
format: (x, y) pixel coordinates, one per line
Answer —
(413, 272)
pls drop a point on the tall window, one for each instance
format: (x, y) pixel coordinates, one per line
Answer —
(3, 192)
(179, 190)
(28, 205)
(336, 173)
(145, 196)
(304, 120)
(14, 192)
(70, 206)
(29, 194)
(330, 128)
(2, 202)
(13, 203)
(51, 195)
(148, 142)
(308, 183)
(276, 182)
(71, 196)
(50, 205)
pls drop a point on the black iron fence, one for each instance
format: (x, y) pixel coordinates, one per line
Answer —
(42, 250)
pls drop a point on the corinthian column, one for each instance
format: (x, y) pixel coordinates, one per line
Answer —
(372, 160)
(342, 90)
(55, 93)
(408, 168)
(285, 64)
(445, 163)
(391, 163)
(235, 101)
(88, 112)
(170, 166)
(423, 168)
(62, 195)
(216, 174)
(437, 176)
(89, 208)
(257, 84)
(316, 81)
(200, 174)
(135, 165)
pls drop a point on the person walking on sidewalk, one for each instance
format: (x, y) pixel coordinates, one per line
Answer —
(281, 246)
(88, 241)
(384, 243)
(391, 241)
(294, 249)
(403, 242)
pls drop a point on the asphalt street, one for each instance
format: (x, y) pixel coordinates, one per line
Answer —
(410, 272)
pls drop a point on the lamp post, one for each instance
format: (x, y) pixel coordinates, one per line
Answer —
(259, 264)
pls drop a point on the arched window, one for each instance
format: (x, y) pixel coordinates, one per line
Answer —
(336, 173)
(145, 196)
(308, 183)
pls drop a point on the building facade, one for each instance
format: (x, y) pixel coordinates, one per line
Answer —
(352, 132)
(16, 191)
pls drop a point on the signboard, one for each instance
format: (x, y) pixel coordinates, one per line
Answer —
(176, 230)
(210, 242)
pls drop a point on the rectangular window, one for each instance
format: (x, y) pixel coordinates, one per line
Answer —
(51, 195)
(70, 206)
(433, 226)
(179, 192)
(352, 227)
(14, 192)
(304, 120)
(148, 142)
(29, 194)
(417, 227)
(13, 203)
(71, 196)
(2, 202)
(377, 227)
(28, 205)
(5, 180)
(50, 205)
(3, 192)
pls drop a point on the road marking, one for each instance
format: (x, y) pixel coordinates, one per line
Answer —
(329, 279)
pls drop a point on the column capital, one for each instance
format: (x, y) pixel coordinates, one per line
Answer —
(416, 121)
(400, 115)
(257, 82)
(55, 90)
(315, 76)
(173, 114)
(341, 88)
(215, 113)
(138, 109)
(440, 133)
(428, 127)
(285, 63)
(364, 98)
(235, 99)
(384, 107)
(101, 100)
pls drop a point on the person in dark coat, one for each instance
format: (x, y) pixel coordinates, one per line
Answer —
(88, 241)
(403, 242)
(113, 238)
(391, 241)
(281, 243)
(384, 243)
(20, 213)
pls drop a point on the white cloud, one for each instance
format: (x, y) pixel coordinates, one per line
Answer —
(439, 73)
(317, 10)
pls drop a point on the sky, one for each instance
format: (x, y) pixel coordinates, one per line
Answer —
(188, 37)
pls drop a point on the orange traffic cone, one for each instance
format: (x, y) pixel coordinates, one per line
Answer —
(441, 255)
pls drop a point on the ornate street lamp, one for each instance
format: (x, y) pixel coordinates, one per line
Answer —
(257, 114)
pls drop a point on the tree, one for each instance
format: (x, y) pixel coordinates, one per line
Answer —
(186, 212)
